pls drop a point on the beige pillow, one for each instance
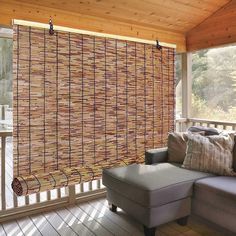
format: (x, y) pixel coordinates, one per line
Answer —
(211, 154)
(177, 144)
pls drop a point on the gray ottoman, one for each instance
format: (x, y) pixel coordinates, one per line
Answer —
(152, 194)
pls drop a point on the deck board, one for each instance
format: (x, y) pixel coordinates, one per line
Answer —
(74, 223)
(12, 229)
(59, 224)
(28, 227)
(2, 232)
(44, 227)
(102, 220)
(92, 224)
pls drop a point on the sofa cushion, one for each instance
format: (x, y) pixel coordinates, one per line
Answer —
(152, 185)
(223, 186)
(216, 194)
(210, 154)
(177, 144)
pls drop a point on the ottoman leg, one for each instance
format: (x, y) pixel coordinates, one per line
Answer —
(183, 221)
(149, 231)
(113, 208)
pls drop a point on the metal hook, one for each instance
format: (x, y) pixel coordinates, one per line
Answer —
(159, 47)
(51, 30)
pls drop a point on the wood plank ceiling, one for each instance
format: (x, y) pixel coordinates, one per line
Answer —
(173, 15)
(171, 21)
(219, 29)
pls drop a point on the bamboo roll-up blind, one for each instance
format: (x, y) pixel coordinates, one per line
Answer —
(83, 103)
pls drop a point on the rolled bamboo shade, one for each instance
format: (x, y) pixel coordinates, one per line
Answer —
(83, 103)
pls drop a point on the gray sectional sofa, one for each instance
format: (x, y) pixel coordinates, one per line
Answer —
(161, 191)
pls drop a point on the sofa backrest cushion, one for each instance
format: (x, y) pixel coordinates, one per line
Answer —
(234, 154)
(211, 154)
(177, 144)
(207, 130)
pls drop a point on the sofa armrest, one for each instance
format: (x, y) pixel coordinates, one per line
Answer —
(156, 156)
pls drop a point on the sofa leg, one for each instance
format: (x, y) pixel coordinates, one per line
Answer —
(113, 208)
(149, 231)
(183, 221)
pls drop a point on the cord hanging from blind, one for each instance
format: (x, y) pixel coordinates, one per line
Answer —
(83, 103)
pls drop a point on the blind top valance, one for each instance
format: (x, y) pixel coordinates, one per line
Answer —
(92, 33)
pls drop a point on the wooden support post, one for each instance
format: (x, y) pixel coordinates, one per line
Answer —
(186, 85)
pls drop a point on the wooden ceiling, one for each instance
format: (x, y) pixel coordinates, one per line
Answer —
(171, 21)
(173, 15)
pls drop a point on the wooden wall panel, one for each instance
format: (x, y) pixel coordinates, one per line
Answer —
(11, 9)
(219, 29)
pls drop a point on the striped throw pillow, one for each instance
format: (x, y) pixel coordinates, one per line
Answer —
(211, 154)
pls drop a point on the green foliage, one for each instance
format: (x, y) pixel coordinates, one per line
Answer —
(6, 71)
(214, 84)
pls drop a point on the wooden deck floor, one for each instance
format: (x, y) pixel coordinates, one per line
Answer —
(95, 218)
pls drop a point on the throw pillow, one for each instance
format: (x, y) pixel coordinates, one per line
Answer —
(211, 154)
(177, 144)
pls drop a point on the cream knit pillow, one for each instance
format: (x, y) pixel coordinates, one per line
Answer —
(211, 154)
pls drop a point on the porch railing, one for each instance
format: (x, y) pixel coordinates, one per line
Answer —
(13, 206)
(183, 123)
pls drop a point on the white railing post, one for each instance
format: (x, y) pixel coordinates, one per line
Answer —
(3, 174)
(70, 190)
(208, 123)
(4, 111)
(1, 111)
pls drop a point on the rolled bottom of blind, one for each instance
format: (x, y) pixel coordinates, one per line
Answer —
(34, 183)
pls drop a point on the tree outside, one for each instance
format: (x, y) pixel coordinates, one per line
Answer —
(214, 84)
(6, 71)
(213, 89)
